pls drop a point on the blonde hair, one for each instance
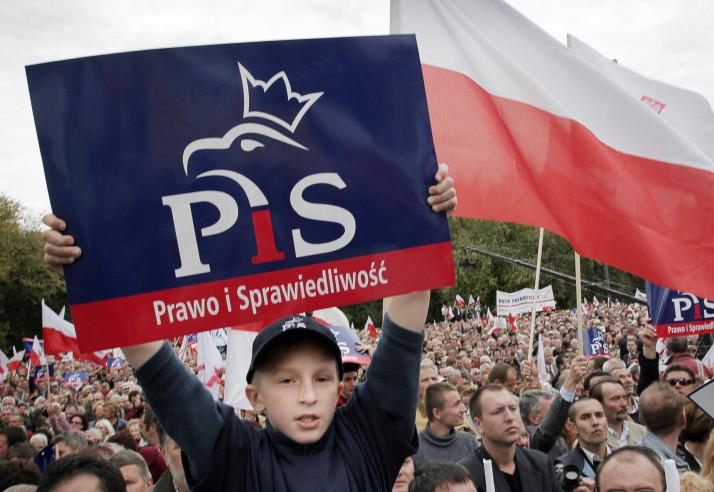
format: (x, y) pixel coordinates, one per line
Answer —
(708, 459)
(691, 482)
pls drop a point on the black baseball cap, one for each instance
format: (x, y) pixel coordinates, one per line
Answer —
(293, 326)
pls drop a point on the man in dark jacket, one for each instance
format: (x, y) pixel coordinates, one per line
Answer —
(588, 417)
(496, 415)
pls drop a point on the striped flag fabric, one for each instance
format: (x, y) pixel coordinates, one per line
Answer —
(60, 337)
(4, 360)
(37, 355)
(371, 329)
(16, 360)
(513, 108)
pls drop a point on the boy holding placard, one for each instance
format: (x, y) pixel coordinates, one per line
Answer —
(295, 375)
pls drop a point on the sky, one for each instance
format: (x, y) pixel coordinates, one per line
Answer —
(672, 41)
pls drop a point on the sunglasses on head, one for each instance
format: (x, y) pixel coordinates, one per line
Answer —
(680, 381)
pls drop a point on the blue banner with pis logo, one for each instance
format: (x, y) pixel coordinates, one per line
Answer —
(219, 185)
(676, 313)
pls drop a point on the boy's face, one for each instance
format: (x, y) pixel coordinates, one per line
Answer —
(299, 393)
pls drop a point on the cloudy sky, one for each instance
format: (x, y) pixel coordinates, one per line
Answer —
(672, 41)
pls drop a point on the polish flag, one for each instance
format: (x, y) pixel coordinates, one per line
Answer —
(489, 315)
(3, 365)
(512, 108)
(37, 356)
(459, 300)
(16, 360)
(369, 326)
(208, 363)
(61, 337)
(512, 322)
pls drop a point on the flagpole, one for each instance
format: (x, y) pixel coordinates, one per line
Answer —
(535, 295)
(579, 296)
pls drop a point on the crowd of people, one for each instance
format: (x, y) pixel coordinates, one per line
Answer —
(459, 405)
(479, 397)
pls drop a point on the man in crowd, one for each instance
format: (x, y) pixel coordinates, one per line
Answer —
(662, 411)
(440, 441)
(588, 418)
(546, 428)
(503, 374)
(617, 369)
(442, 476)
(81, 473)
(68, 443)
(134, 470)
(631, 468)
(349, 382)
(495, 412)
(681, 378)
(621, 432)
(428, 375)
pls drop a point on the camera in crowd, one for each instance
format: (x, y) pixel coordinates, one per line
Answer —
(570, 478)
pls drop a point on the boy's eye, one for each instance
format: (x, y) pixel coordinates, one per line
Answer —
(324, 379)
(286, 381)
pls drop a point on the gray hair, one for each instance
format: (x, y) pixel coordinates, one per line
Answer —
(613, 364)
(530, 403)
(74, 440)
(128, 457)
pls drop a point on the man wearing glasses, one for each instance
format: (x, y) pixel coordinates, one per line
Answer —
(681, 378)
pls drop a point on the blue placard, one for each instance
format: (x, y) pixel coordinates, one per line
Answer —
(595, 344)
(216, 185)
(75, 379)
(676, 313)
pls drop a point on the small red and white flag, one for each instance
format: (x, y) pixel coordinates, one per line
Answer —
(371, 329)
(472, 301)
(489, 315)
(459, 301)
(3, 365)
(512, 322)
(596, 303)
(61, 337)
(16, 360)
(37, 356)
(450, 314)
(209, 363)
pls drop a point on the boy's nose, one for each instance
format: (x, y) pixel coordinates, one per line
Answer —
(307, 393)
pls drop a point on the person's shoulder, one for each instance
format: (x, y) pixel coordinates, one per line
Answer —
(533, 455)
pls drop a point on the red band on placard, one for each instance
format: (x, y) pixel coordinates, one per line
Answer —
(168, 313)
(667, 330)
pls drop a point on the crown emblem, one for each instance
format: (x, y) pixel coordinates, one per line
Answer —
(264, 99)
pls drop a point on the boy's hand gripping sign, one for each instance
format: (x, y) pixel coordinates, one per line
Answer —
(211, 186)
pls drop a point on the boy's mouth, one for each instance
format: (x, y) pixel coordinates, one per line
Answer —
(308, 421)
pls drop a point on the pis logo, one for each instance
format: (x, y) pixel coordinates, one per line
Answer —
(246, 132)
(685, 301)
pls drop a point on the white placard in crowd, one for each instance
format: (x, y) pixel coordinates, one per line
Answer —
(520, 302)
(703, 397)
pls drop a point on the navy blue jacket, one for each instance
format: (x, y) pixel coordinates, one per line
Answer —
(362, 449)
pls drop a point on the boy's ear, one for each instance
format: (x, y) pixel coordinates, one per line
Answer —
(251, 391)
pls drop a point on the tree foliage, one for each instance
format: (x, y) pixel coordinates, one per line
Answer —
(24, 279)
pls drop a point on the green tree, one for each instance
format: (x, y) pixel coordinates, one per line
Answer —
(24, 279)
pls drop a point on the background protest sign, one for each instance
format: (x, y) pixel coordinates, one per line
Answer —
(217, 185)
(521, 301)
(594, 344)
(675, 313)
(75, 379)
